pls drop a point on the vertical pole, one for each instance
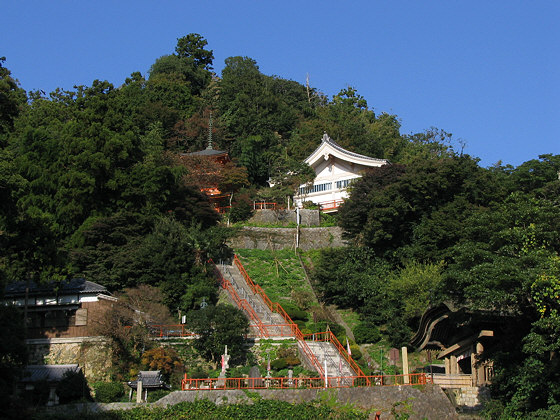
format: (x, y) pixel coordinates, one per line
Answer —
(139, 392)
(326, 374)
(381, 363)
(405, 364)
(297, 227)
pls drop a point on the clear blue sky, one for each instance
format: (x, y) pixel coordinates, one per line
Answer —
(486, 71)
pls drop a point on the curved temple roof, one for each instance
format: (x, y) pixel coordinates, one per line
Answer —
(329, 147)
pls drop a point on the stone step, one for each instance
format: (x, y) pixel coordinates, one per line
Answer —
(231, 273)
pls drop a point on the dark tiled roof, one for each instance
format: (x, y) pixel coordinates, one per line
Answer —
(74, 286)
(49, 373)
(150, 379)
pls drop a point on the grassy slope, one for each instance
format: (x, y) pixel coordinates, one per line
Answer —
(279, 273)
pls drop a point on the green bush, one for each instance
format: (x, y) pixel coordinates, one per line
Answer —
(197, 373)
(301, 324)
(158, 394)
(295, 313)
(73, 387)
(107, 392)
(279, 364)
(292, 361)
(242, 209)
(356, 352)
(366, 333)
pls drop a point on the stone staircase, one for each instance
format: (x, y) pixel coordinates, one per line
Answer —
(270, 324)
(271, 320)
(337, 366)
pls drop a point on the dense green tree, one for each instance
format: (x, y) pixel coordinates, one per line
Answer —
(396, 209)
(535, 174)
(252, 104)
(508, 261)
(340, 283)
(126, 249)
(191, 47)
(191, 64)
(415, 286)
(12, 99)
(216, 327)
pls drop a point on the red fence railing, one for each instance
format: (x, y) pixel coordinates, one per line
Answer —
(330, 205)
(265, 206)
(188, 384)
(165, 331)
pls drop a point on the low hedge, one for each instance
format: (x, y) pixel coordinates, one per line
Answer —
(107, 392)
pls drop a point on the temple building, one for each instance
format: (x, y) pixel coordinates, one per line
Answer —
(205, 167)
(459, 337)
(59, 309)
(335, 169)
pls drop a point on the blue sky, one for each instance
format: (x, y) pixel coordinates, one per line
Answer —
(486, 71)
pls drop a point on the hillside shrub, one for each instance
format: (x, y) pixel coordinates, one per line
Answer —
(279, 364)
(295, 313)
(107, 392)
(241, 209)
(366, 333)
(197, 373)
(292, 361)
(156, 395)
(73, 387)
(356, 352)
(301, 325)
(303, 299)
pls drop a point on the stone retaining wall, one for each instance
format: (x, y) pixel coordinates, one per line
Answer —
(418, 402)
(286, 217)
(92, 354)
(285, 238)
(469, 398)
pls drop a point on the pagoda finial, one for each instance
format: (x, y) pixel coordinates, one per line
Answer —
(209, 147)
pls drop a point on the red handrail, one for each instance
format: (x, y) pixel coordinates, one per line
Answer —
(276, 307)
(329, 205)
(188, 384)
(171, 330)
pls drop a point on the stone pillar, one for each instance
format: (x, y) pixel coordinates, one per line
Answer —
(139, 392)
(405, 364)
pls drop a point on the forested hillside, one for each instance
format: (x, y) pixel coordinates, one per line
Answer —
(92, 184)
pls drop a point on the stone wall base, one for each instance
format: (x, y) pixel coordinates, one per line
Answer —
(471, 398)
(92, 354)
(285, 238)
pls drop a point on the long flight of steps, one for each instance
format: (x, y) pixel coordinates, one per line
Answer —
(271, 320)
(323, 352)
